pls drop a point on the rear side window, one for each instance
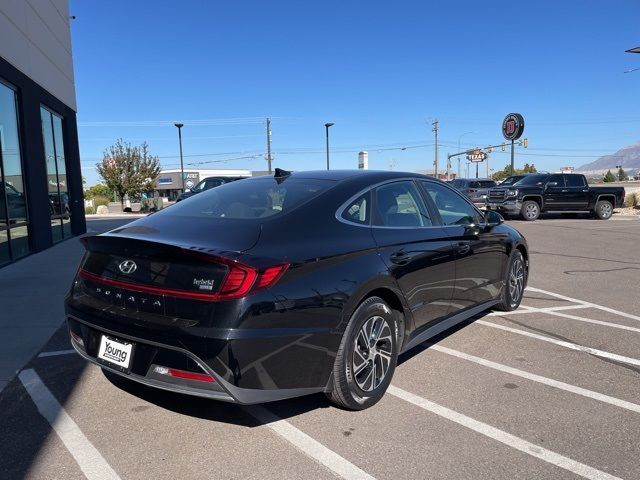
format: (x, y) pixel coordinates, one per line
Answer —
(250, 199)
(398, 204)
(358, 210)
(574, 180)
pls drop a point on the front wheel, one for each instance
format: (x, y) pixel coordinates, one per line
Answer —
(367, 356)
(530, 210)
(603, 210)
(514, 283)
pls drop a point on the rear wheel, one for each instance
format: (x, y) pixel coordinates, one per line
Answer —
(603, 210)
(367, 356)
(530, 210)
(514, 283)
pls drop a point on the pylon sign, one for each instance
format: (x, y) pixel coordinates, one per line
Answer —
(477, 156)
(513, 126)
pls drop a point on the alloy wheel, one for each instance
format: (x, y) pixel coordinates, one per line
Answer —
(372, 352)
(516, 280)
(531, 211)
(605, 210)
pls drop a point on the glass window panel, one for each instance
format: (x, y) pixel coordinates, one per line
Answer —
(4, 247)
(16, 208)
(56, 229)
(453, 208)
(398, 205)
(19, 241)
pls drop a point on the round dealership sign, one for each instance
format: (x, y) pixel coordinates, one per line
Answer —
(513, 126)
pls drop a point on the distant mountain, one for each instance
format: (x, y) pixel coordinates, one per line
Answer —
(628, 157)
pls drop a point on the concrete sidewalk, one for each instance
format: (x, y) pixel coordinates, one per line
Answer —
(32, 291)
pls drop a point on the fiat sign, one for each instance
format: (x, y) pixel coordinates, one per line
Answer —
(513, 126)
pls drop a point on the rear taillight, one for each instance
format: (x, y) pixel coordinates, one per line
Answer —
(239, 281)
(76, 338)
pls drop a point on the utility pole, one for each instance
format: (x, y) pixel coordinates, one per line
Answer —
(269, 144)
(435, 161)
(179, 127)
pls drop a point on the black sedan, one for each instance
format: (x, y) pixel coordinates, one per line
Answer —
(281, 286)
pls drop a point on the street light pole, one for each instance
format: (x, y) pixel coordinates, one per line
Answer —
(459, 138)
(326, 128)
(179, 126)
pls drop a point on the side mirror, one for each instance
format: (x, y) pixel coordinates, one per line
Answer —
(493, 219)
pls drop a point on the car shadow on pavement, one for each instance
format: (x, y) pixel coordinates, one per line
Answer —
(214, 410)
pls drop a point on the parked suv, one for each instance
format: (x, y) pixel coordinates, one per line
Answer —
(537, 193)
(474, 188)
(206, 184)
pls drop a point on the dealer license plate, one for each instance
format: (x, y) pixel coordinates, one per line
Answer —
(115, 352)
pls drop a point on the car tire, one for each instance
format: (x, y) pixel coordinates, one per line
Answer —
(603, 210)
(357, 381)
(530, 210)
(514, 283)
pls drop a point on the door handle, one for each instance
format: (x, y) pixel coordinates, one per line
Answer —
(399, 258)
(585, 191)
(565, 191)
(463, 248)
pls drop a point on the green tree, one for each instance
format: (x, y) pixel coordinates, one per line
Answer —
(609, 177)
(622, 176)
(128, 169)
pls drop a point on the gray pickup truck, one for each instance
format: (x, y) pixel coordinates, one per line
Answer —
(554, 192)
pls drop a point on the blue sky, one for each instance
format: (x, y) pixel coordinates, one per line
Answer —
(381, 71)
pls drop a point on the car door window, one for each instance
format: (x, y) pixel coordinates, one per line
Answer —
(574, 180)
(398, 204)
(453, 208)
(358, 210)
(559, 179)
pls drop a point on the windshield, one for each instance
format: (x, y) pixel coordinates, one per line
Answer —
(251, 199)
(511, 180)
(531, 180)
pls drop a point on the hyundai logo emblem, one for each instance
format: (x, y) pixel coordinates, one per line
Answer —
(127, 267)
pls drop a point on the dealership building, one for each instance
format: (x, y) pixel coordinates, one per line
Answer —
(169, 183)
(40, 180)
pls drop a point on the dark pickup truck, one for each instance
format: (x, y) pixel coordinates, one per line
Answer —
(556, 192)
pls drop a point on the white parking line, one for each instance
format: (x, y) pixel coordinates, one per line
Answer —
(572, 346)
(594, 305)
(92, 464)
(56, 353)
(503, 437)
(307, 445)
(595, 322)
(528, 309)
(540, 379)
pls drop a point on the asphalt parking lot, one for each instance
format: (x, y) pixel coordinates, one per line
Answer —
(549, 391)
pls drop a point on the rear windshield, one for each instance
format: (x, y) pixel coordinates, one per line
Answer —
(252, 198)
(458, 183)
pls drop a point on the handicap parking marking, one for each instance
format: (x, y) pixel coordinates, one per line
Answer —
(503, 437)
(88, 458)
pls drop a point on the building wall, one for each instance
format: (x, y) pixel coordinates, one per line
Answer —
(35, 62)
(35, 38)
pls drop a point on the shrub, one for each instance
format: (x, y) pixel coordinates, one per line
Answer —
(630, 200)
(97, 201)
(637, 195)
(89, 210)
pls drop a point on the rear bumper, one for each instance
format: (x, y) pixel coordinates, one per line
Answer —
(247, 366)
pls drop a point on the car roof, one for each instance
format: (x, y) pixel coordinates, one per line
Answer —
(369, 175)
